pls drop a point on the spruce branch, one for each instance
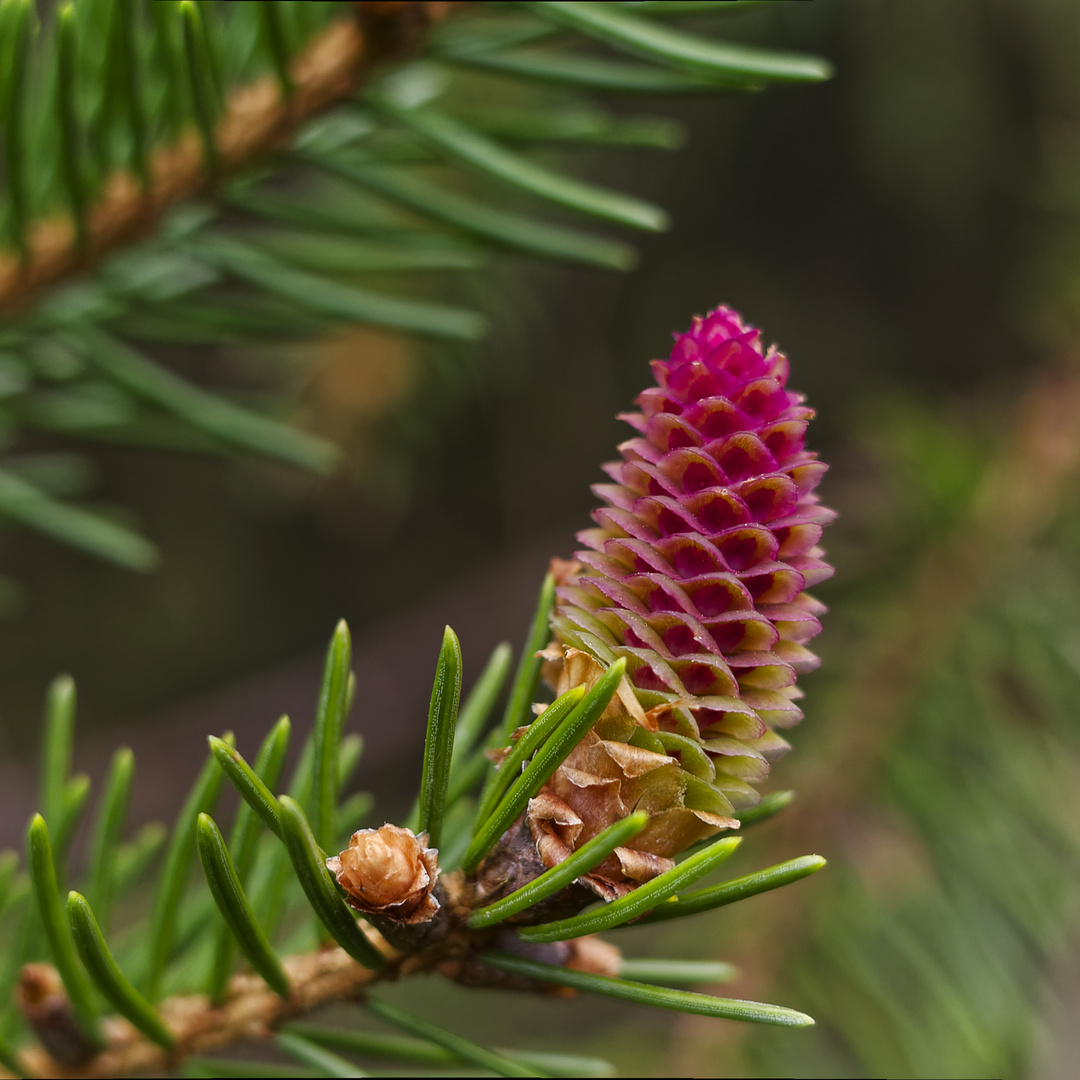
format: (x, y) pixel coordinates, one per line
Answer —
(256, 120)
(640, 828)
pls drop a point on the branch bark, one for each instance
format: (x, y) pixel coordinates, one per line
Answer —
(251, 1011)
(257, 121)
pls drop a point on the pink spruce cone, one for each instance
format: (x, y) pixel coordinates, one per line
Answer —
(697, 570)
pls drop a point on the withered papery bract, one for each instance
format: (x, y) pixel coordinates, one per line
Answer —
(607, 776)
(696, 573)
(389, 871)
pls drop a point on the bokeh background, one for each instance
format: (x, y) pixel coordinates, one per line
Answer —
(909, 233)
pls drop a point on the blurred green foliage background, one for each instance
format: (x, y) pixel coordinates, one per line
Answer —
(909, 233)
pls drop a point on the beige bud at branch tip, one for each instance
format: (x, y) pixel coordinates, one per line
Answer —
(389, 871)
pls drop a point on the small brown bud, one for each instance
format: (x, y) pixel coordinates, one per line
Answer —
(389, 872)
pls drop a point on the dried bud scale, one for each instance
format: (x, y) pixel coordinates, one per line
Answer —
(696, 573)
(620, 766)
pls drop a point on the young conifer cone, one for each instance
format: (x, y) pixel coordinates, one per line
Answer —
(696, 574)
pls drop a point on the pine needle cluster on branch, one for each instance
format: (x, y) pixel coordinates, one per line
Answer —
(195, 173)
(192, 174)
(617, 790)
